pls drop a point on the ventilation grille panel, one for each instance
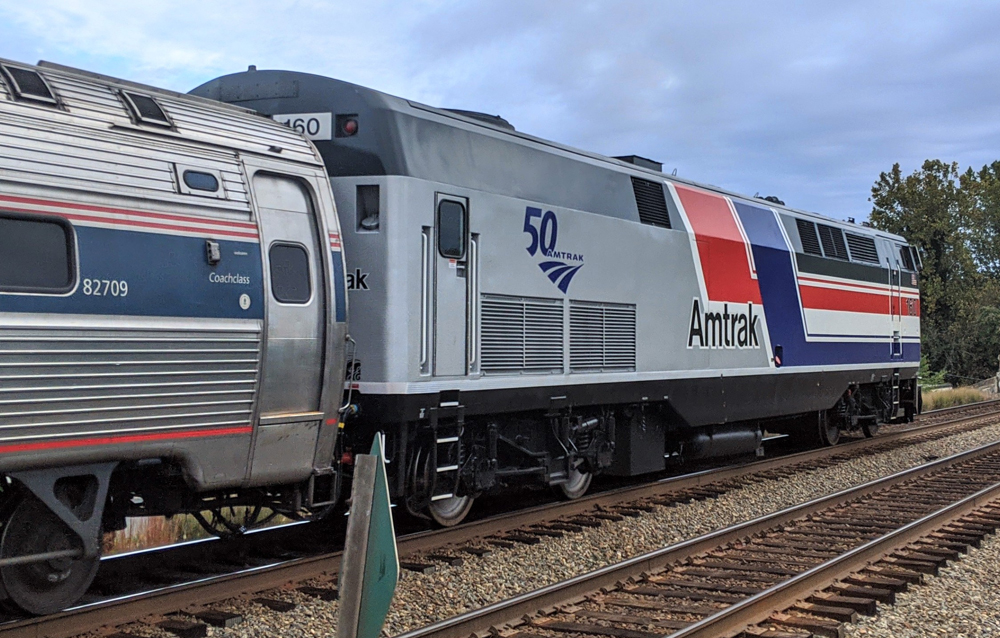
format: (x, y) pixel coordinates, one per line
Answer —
(601, 337)
(862, 248)
(807, 233)
(521, 335)
(833, 242)
(651, 201)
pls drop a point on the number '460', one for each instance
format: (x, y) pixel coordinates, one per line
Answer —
(543, 230)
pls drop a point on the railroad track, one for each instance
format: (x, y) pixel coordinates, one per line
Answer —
(804, 569)
(196, 576)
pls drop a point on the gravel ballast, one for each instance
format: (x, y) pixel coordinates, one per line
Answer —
(963, 600)
(422, 599)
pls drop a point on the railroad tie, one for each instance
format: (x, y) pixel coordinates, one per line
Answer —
(183, 628)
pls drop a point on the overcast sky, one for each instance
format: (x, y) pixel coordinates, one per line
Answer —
(785, 98)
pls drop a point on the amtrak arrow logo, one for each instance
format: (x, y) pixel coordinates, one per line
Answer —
(543, 230)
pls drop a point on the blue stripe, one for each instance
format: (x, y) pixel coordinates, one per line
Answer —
(779, 292)
(338, 286)
(167, 276)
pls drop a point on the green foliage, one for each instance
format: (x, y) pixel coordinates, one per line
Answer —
(954, 219)
(928, 378)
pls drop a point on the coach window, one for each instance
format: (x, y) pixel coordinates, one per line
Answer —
(36, 255)
(451, 229)
(290, 273)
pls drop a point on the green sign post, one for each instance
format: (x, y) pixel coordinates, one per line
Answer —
(370, 566)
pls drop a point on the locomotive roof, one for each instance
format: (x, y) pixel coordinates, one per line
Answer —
(402, 137)
(100, 101)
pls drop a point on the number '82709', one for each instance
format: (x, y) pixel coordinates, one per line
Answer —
(105, 287)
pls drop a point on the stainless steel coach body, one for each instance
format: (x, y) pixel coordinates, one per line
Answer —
(494, 272)
(168, 289)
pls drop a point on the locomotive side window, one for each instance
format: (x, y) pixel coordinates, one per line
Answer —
(290, 273)
(451, 229)
(36, 255)
(904, 253)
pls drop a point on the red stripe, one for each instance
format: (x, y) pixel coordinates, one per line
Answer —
(138, 224)
(854, 284)
(846, 301)
(117, 440)
(721, 247)
(122, 211)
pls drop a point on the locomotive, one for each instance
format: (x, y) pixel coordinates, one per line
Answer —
(527, 312)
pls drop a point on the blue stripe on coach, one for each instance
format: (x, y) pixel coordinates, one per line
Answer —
(167, 275)
(779, 292)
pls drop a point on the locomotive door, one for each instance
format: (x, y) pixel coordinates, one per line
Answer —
(292, 374)
(451, 291)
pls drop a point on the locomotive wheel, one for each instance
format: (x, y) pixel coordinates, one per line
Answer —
(577, 484)
(829, 431)
(48, 586)
(230, 522)
(869, 428)
(449, 512)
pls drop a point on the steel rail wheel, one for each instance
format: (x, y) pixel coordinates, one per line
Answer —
(48, 586)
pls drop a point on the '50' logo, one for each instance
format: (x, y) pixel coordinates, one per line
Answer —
(545, 236)
(544, 232)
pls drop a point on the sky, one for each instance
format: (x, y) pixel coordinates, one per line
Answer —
(807, 101)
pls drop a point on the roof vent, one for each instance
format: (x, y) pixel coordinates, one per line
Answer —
(145, 110)
(642, 162)
(27, 84)
(652, 203)
(495, 120)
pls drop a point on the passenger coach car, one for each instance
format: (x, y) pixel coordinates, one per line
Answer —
(172, 320)
(526, 311)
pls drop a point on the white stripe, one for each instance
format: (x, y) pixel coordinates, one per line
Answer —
(535, 381)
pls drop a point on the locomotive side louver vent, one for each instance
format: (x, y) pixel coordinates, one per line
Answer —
(601, 337)
(833, 242)
(862, 248)
(810, 241)
(521, 335)
(651, 201)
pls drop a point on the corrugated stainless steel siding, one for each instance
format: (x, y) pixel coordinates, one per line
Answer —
(94, 98)
(57, 154)
(57, 382)
(521, 335)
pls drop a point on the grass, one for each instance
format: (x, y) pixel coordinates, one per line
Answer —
(152, 531)
(948, 398)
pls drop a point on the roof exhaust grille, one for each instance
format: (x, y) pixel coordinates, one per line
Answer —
(651, 201)
(27, 84)
(808, 236)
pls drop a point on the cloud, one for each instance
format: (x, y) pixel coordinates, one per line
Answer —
(802, 100)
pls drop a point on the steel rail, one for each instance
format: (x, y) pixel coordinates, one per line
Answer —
(167, 599)
(510, 611)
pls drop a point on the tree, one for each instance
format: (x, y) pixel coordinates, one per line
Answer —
(931, 209)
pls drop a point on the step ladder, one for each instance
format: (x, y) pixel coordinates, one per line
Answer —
(895, 393)
(447, 425)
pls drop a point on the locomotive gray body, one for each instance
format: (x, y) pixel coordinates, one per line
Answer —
(172, 316)
(529, 311)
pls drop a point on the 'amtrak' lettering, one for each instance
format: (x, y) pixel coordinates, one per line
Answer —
(736, 329)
